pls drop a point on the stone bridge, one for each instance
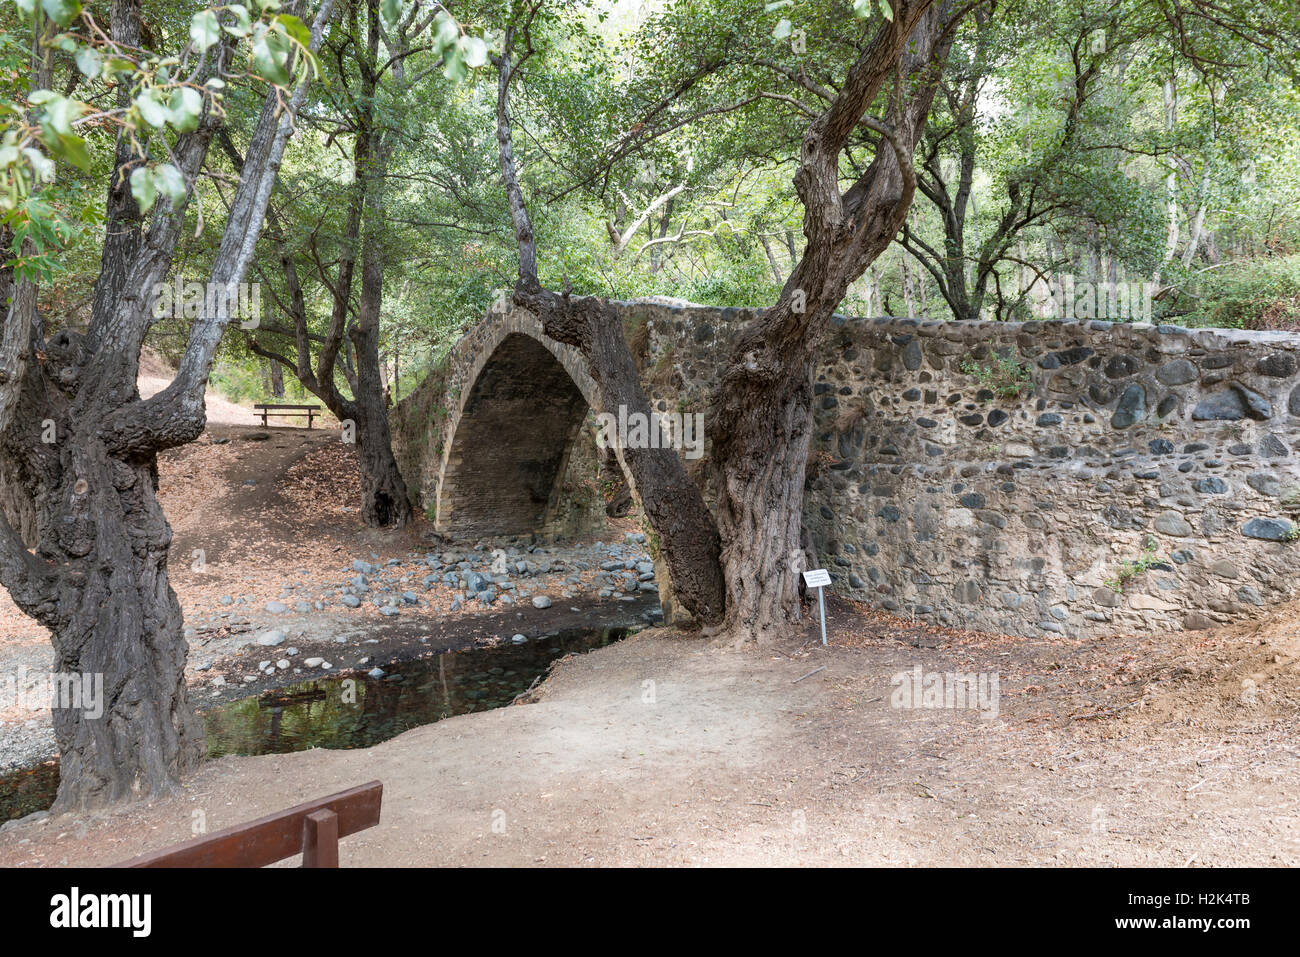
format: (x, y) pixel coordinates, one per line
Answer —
(1054, 477)
(516, 401)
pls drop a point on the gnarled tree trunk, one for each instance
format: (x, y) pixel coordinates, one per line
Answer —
(83, 540)
(688, 537)
(762, 408)
(101, 587)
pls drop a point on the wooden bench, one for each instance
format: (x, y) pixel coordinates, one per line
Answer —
(313, 829)
(308, 410)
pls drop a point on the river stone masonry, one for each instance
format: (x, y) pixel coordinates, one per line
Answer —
(1146, 477)
(1059, 477)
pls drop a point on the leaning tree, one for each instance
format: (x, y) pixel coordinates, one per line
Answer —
(83, 541)
(737, 568)
(672, 501)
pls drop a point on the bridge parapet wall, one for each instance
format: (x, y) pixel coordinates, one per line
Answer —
(1054, 477)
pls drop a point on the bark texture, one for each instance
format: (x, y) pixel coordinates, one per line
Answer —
(761, 420)
(83, 541)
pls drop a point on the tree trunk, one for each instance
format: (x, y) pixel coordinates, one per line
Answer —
(762, 407)
(909, 299)
(760, 501)
(771, 259)
(120, 622)
(384, 498)
(98, 578)
(80, 469)
(123, 222)
(385, 388)
(1170, 101)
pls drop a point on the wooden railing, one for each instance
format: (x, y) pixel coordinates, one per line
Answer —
(312, 829)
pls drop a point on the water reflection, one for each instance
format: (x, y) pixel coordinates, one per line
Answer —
(359, 711)
(352, 712)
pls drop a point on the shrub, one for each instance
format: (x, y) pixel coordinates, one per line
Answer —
(1005, 376)
(1260, 294)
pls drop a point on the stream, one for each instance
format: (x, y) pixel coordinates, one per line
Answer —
(352, 711)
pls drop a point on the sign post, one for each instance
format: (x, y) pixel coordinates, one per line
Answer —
(819, 578)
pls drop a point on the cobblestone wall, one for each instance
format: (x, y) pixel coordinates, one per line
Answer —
(1144, 477)
(1062, 477)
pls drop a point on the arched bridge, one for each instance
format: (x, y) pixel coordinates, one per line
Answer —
(1109, 436)
(493, 442)
(516, 404)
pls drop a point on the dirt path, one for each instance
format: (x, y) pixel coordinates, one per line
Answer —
(268, 519)
(1160, 749)
(659, 750)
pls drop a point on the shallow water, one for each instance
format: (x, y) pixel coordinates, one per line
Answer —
(359, 711)
(354, 711)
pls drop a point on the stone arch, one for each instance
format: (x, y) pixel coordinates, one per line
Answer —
(514, 426)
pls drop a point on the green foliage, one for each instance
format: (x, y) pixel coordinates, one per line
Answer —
(1258, 294)
(657, 147)
(39, 128)
(1132, 568)
(247, 383)
(1007, 378)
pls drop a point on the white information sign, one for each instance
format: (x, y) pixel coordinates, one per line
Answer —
(816, 577)
(819, 578)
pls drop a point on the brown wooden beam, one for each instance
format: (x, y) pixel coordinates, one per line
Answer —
(317, 825)
(320, 839)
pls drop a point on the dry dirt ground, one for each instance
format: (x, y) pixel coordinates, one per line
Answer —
(1160, 749)
(661, 750)
(155, 375)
